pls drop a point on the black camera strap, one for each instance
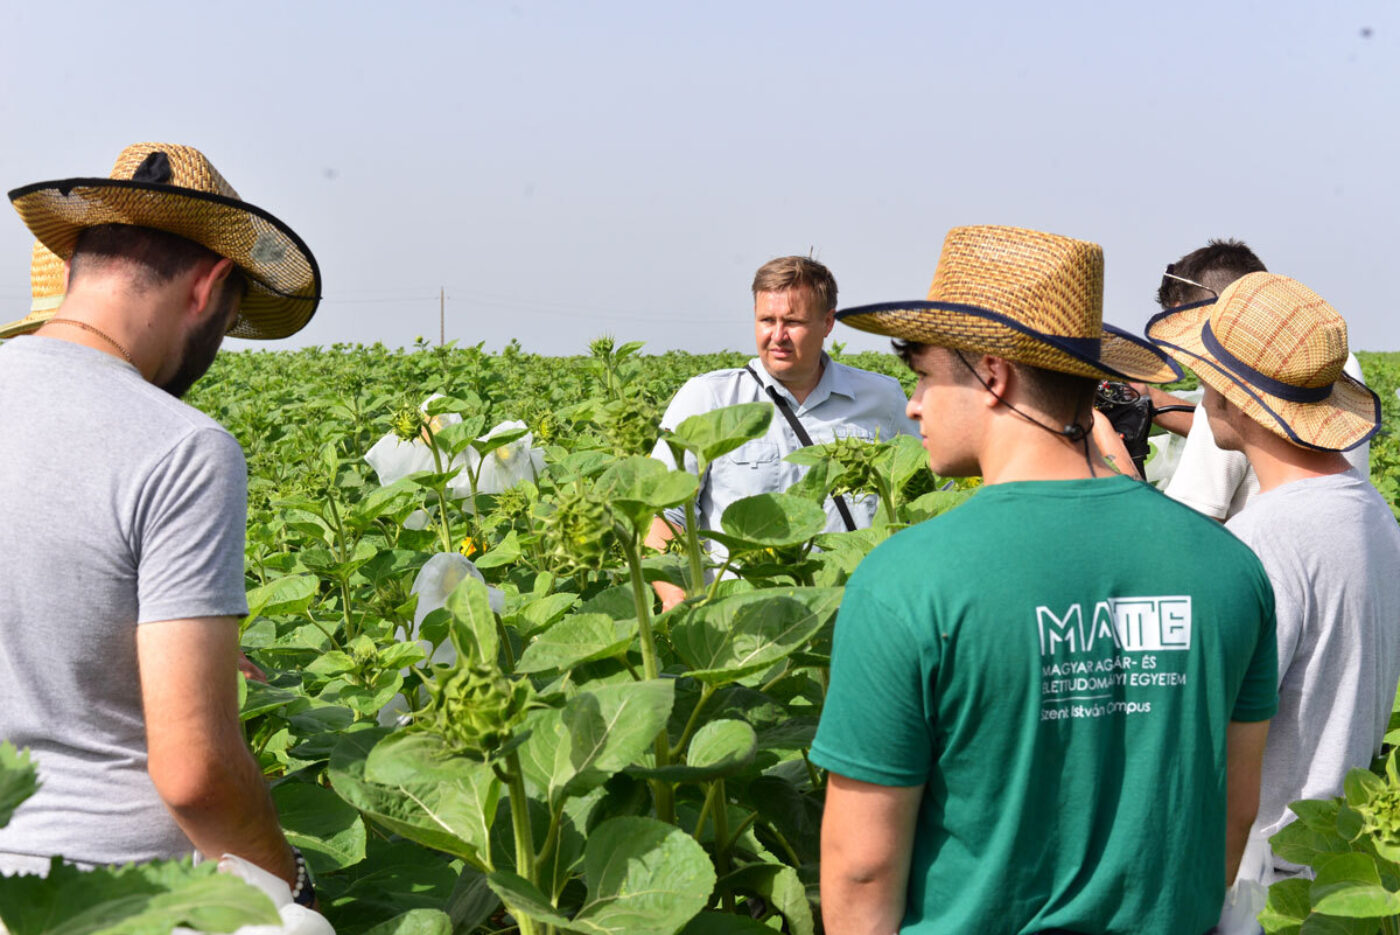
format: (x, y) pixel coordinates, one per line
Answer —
(805, 439)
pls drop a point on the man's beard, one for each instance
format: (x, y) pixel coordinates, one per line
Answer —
(201, 347)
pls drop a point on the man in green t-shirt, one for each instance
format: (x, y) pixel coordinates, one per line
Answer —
(1038, 720)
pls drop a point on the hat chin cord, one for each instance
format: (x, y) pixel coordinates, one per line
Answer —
(1073, 432)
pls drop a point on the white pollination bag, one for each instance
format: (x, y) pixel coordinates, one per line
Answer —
(437, 579)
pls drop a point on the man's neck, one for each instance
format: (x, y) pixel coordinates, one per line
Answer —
(802, 387)
(1277, 462)
(1018, 451)
(124, 320)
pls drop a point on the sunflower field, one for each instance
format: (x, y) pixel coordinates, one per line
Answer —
(475, 719)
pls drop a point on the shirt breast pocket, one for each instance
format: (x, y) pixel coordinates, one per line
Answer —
(752, 468)
(756, 455)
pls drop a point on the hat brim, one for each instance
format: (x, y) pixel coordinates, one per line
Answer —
(1115, 355)
(1348, 417)
(29, 323)
(284, 281)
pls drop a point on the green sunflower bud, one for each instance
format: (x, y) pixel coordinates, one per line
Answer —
(580, 530)
(474, 709)
(630, 425)
(1382, 816)
(858, 466)
(408, 423)
(547, 428)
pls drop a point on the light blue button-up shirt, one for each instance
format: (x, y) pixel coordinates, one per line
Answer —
(845, 403)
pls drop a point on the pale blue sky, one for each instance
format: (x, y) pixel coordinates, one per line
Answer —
(569, 169)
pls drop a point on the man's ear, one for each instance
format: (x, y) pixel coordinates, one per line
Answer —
(830, 322)
(206, 283)
(996, 373)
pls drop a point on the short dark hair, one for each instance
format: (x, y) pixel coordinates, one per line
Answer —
(1065, 396)
(797, 272)
(1215, 266)
(155, 256)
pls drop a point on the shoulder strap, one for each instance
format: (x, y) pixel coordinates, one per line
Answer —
(796, 425)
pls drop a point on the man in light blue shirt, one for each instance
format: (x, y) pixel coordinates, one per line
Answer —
(794, 311)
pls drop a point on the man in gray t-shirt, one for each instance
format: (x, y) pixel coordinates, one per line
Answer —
(124, 512)
(1271, 354)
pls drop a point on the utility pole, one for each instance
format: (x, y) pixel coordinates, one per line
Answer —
(442, 315)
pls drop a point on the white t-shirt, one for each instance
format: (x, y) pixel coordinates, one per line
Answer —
(1219, 483)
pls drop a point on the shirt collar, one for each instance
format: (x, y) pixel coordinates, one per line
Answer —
(834, 381)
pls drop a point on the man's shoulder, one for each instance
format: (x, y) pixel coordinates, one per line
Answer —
(868, 380)
(99, 393)
(725, 376)
(714, 389)
(1314, 511)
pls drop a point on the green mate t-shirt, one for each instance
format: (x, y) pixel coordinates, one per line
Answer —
(1056, 662)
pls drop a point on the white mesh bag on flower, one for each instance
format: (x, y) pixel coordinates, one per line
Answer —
(503, 468)
(437, 579)
(394, 459)
(296, 920)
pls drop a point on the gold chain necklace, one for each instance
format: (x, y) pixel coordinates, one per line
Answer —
(101, 334)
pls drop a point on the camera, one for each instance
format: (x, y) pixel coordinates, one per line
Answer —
(1130, 412)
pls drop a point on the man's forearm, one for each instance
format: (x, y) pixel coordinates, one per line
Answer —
(225, 808)
(196, 756)
(1178, 423)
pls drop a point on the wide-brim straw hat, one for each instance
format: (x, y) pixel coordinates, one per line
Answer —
(176, 189)
(47, 280)
(1025, 296)
(1275, 349)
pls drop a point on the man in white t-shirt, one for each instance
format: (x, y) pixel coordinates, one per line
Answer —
(1208, 478)
(1270, 353)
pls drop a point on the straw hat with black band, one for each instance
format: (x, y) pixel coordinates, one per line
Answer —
(177, 190)
(1025, 296)
(1275, 349)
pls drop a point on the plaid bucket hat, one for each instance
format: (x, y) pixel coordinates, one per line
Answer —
(47, 280)
(1276, 349)
(1023, 295)
(176, 189)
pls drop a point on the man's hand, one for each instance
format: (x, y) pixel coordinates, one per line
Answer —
(250, 669)
(1178, 423)
(657, 537)
(1111, 448)
(196, 756)
(867, 840)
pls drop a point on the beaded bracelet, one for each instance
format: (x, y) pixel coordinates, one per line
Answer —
(303, 893)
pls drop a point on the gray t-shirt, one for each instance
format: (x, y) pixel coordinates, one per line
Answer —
(1331, 548)
(121, 506)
